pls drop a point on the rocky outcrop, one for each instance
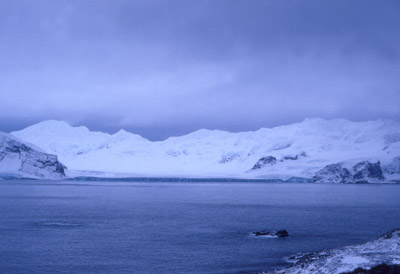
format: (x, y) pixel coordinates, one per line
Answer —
(293, 158)
(379, 269)
(264, 161)
(382, 251)
(362, 172)
(272, 233)
(18, 159)
(366, 171)
(334, 173)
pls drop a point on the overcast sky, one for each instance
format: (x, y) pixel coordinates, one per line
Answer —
(166, 68)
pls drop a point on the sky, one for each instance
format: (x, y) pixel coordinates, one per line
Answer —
(167, 68)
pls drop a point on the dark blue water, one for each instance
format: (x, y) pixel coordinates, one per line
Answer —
(128, 227)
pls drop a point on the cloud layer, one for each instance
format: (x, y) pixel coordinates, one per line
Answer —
(162, 68)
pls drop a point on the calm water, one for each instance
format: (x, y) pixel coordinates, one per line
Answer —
(128, 227)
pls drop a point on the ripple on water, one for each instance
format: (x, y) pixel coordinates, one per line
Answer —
(58, 224)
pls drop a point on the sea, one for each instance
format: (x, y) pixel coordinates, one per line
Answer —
(163, 226)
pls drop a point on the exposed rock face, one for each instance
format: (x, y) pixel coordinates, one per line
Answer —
(365, 171)
(21, 160)
(229, 158)
(334, 173)
(362, 172)
(269, 160)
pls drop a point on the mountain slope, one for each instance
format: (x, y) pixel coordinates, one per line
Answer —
(18, 159)
(300, 149)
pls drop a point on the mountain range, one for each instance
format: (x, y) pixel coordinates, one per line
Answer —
(315, 149)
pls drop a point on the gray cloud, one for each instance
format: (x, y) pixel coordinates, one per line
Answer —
(162, 68)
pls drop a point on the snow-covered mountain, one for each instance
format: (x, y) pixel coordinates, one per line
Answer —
(296, 150)
(22, 160)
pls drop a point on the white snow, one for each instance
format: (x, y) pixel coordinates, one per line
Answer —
(354, 260)
(20, 159)
(384, 250)
(214, 153)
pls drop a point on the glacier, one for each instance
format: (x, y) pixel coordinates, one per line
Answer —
(299, 150)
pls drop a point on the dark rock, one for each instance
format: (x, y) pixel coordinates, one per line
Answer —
(272, 233)
(28, 161)
(282, 233)
(379, 269)
(290, 158)
(334, 173)
(285, 158)
(361, 173)
(366, 170)
(394, 233)
(229, 158)
(268, 160)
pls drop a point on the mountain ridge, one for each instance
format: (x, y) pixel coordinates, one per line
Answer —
(208, 153)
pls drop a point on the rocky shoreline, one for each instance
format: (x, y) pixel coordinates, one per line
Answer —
(382, 253)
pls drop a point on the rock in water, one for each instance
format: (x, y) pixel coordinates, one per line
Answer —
(272, 233)
(269, 160)
(21, 160)
(282, 233)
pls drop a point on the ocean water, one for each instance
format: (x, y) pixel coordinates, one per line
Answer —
(166, 227)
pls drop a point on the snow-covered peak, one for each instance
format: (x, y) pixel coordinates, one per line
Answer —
(54, 125)
(122, 132)
(58, 137)
(300, 149)
(125, 135)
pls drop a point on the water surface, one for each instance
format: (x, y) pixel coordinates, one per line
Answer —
(166, 227)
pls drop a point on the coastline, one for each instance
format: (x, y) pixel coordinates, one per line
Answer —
(381, 252)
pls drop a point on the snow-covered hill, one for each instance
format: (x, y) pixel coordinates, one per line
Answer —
(384, 251)
(296, 150)
(22, 160)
